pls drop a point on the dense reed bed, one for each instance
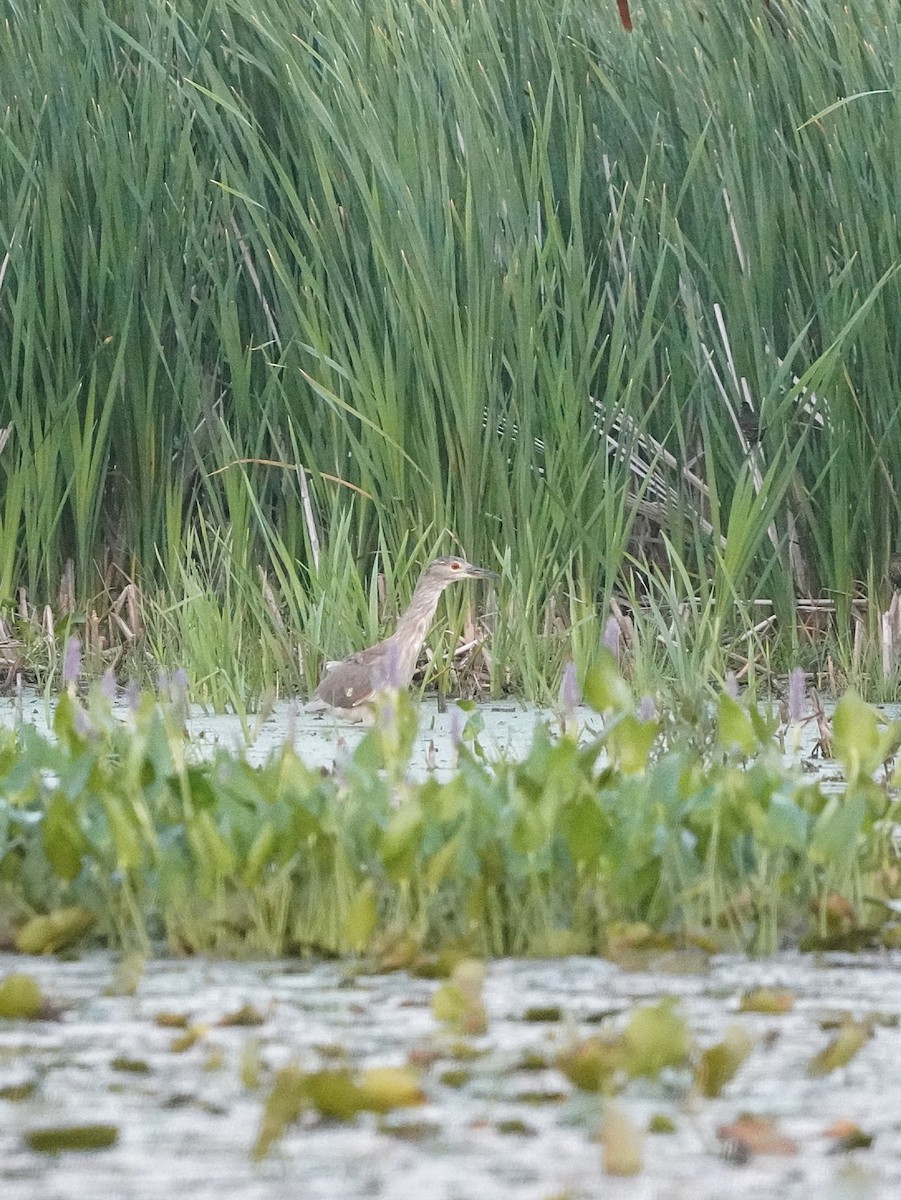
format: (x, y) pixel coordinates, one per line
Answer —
(292, 297)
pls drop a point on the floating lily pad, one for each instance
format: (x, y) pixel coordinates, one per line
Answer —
(49, 933)
(132, 1066)
(17, 1092)
(719, 1064)
(767, 1000)
(592, 1064)
(841, 1049)
(661, 1123)
(60, 1138)
(246, 1015)
(656, 1037)
(548, 1012)
(20, 998)
(458, 1003)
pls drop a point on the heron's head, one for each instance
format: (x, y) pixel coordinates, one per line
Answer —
(449, 568)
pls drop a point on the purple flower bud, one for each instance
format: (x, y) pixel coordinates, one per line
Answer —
(178, 686)
(108, 685)
(81, 722)
(647, 709)
(71, 660)
(456, 726)
(386, 712)
(392, 667)
(291, 724)
(613, 638)
(569, 689)
(731, 685)
(797, 695)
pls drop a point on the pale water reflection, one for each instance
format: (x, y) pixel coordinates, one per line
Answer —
(503, 1127)
(322, 741)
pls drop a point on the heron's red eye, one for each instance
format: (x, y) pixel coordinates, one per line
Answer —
(455, 566)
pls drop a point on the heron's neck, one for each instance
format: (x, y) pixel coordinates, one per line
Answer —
(407, 639)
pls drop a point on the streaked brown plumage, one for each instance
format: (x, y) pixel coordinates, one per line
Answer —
(349, 686)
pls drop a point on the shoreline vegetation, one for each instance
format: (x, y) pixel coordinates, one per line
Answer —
(664, 832)
(292, 301)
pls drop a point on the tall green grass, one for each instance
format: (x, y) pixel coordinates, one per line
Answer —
(441, 257)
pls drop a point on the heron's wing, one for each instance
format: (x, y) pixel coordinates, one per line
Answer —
(352, 681)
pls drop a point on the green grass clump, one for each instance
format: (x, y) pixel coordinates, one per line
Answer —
(689, 826)
(301, 291)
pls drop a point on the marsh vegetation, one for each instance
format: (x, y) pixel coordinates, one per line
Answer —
(291, 300)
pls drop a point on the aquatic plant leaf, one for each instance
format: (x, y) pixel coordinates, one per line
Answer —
(661, 1123)
(593, 1063)
(18, 1093)
(860, 746)
(246, 1015)
(604, 687)
(203, 794)
(130, 1066)
(50, 932)
(210, 847)
(584, 826)
(458, 1003)
(756, 1135)
(20, 997)
(400, 840)
(847, 1136)
(172, 1020)
(622, 1143)
(451, 798)
(531, 831)
(188, 1040)
(656, 1037)
(334, 1093)
(260, 854)
(126, 838)
(767, 1000)
(361, 919)
(442, 861)
(250, 1065)
(286, 1101)
(846, 1043)
(785, 825)
(385, 1088)
(630, 742)
(58, 1138)
(838, 828)
(718, 1064)
(64, 841)
(735, 730)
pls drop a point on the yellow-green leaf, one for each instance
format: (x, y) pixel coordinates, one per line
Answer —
(49, 933)
(286, 1101)
(20, 998)
(359, 925)
(735, 730)
(656, 1037)
(842, 1048)
(719, 1064)
(604, 687)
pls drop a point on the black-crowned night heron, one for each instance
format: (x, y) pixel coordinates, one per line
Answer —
(350, 685)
